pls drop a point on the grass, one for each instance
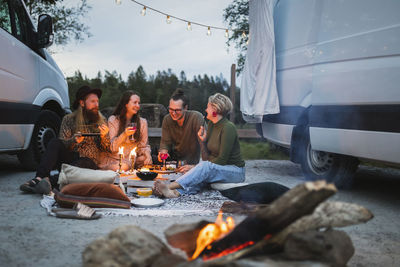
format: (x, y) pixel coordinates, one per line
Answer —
(261, 150)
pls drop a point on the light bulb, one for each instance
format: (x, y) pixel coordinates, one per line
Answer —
(118, 2)
(169, 19)
(243, 34)
(189, 26)
(209, 31)
(143, 12)
(226, 33)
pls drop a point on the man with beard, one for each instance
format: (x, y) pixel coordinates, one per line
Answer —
(71, 147)
(179, 132)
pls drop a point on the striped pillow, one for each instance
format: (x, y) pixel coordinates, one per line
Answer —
(94, 195)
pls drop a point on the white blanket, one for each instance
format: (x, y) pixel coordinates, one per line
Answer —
(258, 93)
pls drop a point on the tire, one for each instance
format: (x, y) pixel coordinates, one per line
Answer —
(320, 165)
(46, 128)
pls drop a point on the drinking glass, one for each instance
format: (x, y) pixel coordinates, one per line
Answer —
(132, 127)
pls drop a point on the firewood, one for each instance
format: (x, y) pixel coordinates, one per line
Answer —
(297, 202)
(327, 214)
(183, 236)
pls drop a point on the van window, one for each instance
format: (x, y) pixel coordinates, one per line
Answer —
(5, 21)
(21, 22)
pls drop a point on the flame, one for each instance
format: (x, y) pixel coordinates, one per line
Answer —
(212, 232)
(144, 169)
(121, 150)
(133, 153)
(228, 251)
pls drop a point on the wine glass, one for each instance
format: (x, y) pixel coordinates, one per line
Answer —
(132, 127)
(164, 156)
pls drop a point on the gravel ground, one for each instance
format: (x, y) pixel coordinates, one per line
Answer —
(31, 238)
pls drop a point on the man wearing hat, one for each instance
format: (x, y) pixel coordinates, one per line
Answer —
(71, 147)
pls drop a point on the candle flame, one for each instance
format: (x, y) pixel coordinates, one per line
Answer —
(133, 153)
(121, 150)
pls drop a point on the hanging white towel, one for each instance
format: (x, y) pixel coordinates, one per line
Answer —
(258, 94)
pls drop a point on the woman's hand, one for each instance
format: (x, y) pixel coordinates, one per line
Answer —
(103, 130)
(202, 134)
(129, 131)
(185, 168)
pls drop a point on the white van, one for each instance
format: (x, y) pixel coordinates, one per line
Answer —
(33, 90)
(338, 81)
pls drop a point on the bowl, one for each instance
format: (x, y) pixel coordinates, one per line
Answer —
(146, 175)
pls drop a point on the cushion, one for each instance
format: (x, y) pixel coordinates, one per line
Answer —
(263, 193)
(96, 195)
(70, 175)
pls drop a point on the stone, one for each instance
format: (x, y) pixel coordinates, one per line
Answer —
(331, 246)
(127, 245)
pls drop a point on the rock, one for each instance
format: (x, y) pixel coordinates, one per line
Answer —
(331, 246)
(125, 246)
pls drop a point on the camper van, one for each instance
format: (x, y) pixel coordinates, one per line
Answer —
(338, 81)
(33, 90)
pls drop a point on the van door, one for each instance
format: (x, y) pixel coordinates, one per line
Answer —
(19, 74)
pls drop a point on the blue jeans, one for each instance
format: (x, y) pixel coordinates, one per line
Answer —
(206, 173)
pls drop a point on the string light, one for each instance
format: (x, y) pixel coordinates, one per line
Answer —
(143, 12)
(169, 19)
(118, 2)
(189, 23)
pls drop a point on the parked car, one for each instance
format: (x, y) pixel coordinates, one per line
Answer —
(33, 90)
(337, 66)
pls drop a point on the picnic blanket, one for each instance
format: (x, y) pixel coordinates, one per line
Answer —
(206, 203)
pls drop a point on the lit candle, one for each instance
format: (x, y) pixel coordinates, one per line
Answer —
(132, 155)
(121, 155)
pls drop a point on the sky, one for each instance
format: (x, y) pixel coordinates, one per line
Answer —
(123, 39)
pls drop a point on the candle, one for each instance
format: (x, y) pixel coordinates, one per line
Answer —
(132, 155)
(121, 155)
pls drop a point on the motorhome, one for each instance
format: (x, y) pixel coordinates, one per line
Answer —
(33, 91)
(338, 82)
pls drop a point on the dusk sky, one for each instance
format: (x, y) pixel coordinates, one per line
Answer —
(123, 39)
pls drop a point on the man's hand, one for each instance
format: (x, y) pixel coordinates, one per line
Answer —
(78, 137)
(202, 134)
(162, 152)
(185, 168)
(103, 130)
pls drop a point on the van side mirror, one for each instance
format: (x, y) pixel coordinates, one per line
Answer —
(45, 31)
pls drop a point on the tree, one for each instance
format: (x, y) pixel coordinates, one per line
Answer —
(237, 16)
(67, 19)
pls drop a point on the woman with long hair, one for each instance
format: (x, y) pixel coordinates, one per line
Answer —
(222, 160)
(128, 130)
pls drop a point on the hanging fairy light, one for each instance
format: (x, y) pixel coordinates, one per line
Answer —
(169, 19)
(143, 12)
(118, 2)
(189, 23)
(248, 39)
(209, 31)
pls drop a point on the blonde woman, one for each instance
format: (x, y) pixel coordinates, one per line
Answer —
(222, 160)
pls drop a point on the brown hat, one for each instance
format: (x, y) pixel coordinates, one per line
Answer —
(83, 92)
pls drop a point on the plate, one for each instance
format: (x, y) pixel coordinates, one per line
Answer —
(147, 202)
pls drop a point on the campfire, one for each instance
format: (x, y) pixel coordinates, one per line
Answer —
(298, 226)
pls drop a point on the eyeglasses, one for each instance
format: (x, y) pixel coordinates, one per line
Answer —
(174, 110)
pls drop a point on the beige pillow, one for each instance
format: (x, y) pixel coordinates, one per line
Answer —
(72, 175)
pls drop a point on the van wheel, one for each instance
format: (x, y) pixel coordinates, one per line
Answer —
(46, 128)
(320, 165)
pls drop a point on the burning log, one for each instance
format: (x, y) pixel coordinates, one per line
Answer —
(270, 220)
(326, 215)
